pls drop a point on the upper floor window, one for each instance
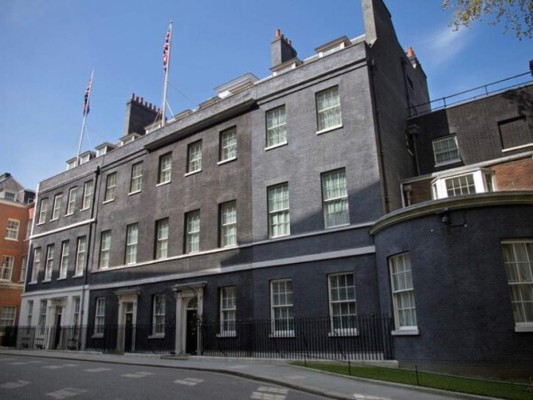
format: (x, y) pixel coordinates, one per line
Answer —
(342, 305)
(132, 239)
(192, 231)
(479, 181)
(105, 249)
(63, 261)
(403, 294)
(49, 264)
(276, 122)
(81, 255)
(36, 264)
(518, 261)
(88, 190)
(328, 106)
(43, 210)
(136, 177)
(228, 224)
(6, 267)
(56, 209)
(445, 150)
(71, 203)
(515, 133)
(12, 230)
(194, 157)
(110, 185)
(228, 310)
(282, 307)
(228, 144)
(161, 242)
(335, 198)
(165, 168)
(279, 223)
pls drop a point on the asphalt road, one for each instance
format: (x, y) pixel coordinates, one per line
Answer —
(32, 378)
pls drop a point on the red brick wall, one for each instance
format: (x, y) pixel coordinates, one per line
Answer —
(514, 175)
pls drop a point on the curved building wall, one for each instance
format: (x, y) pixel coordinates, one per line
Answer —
(463, 304)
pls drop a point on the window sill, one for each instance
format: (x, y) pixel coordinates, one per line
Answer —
(275, 146)
(333, 128)
(281, 334)
(524, 327)
(108, 201)
(52, 220)
(406, 332)
(193, 172)
(449, 162)
(11, 239)
(229, 334)
(226, 161)
(336, 226)
(77, 276)
(163, 183)
(97, 336)
(47, 280)
(132, 193)
(157, 336)
(69, 214)
(61, 278)
(279, 236)
(344, 333)
(85, 209)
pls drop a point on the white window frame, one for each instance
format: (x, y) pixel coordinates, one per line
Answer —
(23, 269)
(228, 311)
(43, 210)
(132, 241)
(71, 203)
(136, 178)
(335, 197)
(8, 316)
(12, 229)
(279, 220)
(29, 316)
(194, 157)
(63, 261)
(36, 264)
(519, 271)
(282, 308)
(445, 150)
(41, 324)
(110, 187)
(105, 250)
(192, 232)
(228, 145)
(403, 298)
(81, 255)
(331, 110)
(341, 296)
(56, 209)
(88, 190)
(6, 267)
(158, 315)
(481, 182)
(161, 240)
(99, 317)
(49, 263)
(228, 224)
(276, 127)
(165, 169)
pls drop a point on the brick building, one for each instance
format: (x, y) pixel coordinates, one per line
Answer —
(286, 211)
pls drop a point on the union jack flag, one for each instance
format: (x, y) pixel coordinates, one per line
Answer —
(166, 49)
(87, 97)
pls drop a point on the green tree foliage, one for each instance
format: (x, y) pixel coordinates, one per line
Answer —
(515, 15)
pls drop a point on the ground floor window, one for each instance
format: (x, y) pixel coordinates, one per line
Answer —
(342, 305)
(403, 294)
(7, 316)
(228, 310)
(99, 318)
(282, 307)
(518, 261)
(158, 315)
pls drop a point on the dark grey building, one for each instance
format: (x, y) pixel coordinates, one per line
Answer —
(292, 201)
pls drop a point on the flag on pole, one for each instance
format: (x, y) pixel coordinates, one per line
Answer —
(166, 48)
(87, 97)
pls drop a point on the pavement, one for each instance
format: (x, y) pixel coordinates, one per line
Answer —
(278, 372)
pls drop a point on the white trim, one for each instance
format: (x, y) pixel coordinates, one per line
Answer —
(226, 161)
(523, 327)
(192, 172)
(285, 143)
(77, 224)
(331, 128)
(163, 183)
(523, 146)
(137, 191)
(406, 332)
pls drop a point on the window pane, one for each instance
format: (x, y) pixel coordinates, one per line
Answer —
(276, 126)
(402, 291)
(328, 109)
(228, 144)
(335, 198)
(278, 209)
(445, 149)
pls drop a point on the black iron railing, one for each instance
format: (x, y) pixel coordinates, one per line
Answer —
(364, 337)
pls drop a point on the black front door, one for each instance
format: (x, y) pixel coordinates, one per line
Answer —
(128, 333)
(192, 331)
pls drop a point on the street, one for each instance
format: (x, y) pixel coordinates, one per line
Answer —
(25, 377)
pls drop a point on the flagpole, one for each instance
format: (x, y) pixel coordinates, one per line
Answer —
(85, 112)
(166, 63)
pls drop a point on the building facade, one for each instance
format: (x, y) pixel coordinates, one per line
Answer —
(16, 208)
(270, 206)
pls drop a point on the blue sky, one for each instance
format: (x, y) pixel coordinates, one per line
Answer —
(49, 48)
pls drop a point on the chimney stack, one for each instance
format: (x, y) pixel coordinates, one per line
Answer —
(281, 49)
(139, 114)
